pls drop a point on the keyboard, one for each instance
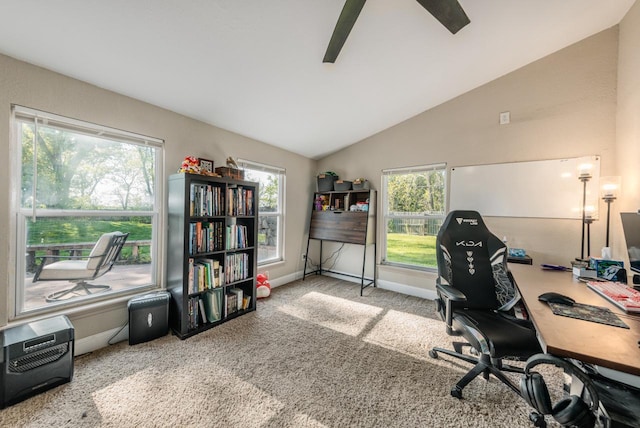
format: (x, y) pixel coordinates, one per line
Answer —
(626, 298)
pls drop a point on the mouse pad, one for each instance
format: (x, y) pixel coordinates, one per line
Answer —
(588, 313)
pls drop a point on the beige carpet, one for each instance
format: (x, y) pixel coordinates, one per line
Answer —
(314, 354)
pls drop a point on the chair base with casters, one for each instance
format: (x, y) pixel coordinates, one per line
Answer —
(514, 340)
(79, 270)
(484, 366)
(81, 288)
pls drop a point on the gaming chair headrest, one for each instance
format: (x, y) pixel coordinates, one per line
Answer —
(466, 224)
(467, 253)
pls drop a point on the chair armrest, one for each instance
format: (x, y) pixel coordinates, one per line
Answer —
(448, 294)
(451, 293)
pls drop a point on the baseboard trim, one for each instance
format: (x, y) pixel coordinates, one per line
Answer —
(407, 289)
(276, 282)
(100, 340)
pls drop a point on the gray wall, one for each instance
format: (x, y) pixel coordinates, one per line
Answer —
(563, 105)
(31, 86)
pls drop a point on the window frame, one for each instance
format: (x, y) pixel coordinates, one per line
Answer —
(279, 214)
(385, 209)
(20, 215)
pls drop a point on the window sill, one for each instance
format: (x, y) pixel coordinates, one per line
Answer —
(272, 263)
(83, 308)
(402, 267)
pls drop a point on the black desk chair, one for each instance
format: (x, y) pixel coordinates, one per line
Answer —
(476, 293)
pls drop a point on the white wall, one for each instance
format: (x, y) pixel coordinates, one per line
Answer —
(628, 124)
(563, 105)
(628, 117)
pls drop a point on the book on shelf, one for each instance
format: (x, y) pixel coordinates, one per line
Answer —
(230, 304)
(205, 237)
(246, 301)
(203, 313)
(192, 314)
(216, 274)
(213, 304)
(236, 236)
(236, 267)
(205, 200)
(191, 281)
(239, 299)
(239, 201)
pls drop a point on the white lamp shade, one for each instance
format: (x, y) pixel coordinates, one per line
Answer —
(609, 187)
(584, 170)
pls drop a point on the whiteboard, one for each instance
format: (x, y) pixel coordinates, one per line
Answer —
(545, 189)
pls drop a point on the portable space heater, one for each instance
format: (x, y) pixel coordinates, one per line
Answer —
(36, 356)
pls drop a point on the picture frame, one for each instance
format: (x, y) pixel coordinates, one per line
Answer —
(205, 165)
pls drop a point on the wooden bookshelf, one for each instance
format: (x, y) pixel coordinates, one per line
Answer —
(346, 217)
(212, 251)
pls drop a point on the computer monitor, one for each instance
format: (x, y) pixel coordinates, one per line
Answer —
(631, 228)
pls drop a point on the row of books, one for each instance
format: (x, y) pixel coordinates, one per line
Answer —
(206, 308)
(213, 305)
(204, 274)
(236, 237)
(206, 200)
(235, 300)
(236, 267)
(239, 201)
(205, 237)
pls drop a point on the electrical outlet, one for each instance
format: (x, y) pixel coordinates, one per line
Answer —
(505, 118)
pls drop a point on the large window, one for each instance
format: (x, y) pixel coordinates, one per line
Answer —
(271, 212)
(414, 208)
(77, 181)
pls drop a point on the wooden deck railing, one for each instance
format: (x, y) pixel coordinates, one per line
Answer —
(77, 249)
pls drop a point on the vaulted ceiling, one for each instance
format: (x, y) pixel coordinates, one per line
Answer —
(255, 67)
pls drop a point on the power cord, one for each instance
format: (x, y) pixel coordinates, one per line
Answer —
(314, 266)
(335, 254)
(116, 334)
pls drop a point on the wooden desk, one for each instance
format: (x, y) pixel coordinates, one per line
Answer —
(603, 345)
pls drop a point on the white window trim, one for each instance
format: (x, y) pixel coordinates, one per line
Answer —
(385, 208)
(17, 230)
(282, 173)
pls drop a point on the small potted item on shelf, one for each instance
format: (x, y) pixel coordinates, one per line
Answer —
(341, 185)
(360, 184)
(325, 181)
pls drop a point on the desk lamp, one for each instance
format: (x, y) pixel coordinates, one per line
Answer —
(589, 217)
(609, 193)
(584, 175)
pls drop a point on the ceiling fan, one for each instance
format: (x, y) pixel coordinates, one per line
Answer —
(448, 12)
